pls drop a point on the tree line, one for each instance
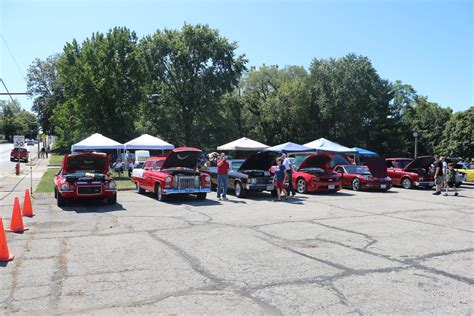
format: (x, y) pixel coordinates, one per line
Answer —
(16, 121)
(190, 87)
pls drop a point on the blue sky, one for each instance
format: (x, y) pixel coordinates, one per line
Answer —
(428, 44)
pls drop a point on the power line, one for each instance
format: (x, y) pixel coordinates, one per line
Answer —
(13, 57)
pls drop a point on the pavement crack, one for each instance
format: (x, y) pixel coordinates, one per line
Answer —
(58, 277)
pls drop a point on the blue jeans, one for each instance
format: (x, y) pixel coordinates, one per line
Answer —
(221, 185)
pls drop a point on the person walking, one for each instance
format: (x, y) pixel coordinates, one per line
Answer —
(438, 176)
(288, 164)
(222, 172)
(451, 183)
(47, 151)
(445, 172)
(280, 179)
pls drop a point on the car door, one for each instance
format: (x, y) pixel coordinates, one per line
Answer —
(148, 183)
(393, 172)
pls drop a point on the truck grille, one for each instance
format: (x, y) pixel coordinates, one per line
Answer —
(268, 180)
(89, 190)
(187, 182)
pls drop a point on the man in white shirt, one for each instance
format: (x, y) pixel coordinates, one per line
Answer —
(287, 163)
(445, 172)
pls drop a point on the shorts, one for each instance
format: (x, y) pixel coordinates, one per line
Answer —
(439, 180)
(280, 184)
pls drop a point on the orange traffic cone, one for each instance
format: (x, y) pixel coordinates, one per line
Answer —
(4, 254)
(27, 209)
(16, 224)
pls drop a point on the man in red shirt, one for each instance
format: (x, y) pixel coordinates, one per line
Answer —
(222, 171)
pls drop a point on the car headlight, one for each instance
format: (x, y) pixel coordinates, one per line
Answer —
(208, 178)
(112, 185)
(168, 179)
(65, 187)
(314, 179)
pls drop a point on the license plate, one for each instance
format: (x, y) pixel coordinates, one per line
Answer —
(331, 186)
(383, 186)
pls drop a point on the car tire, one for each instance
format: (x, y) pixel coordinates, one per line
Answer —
(112, 199)
(356, 185)
(407, 183)
(61, 201)
(159, 193)
(240, 191)
(201, 196)
(301, 186)
(139, 188)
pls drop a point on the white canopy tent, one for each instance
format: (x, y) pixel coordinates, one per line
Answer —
(148, 142)
(243, 144)
(96, 142)
(324, 144)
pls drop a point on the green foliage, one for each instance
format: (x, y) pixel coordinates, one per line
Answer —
(186, 73)
(458, 136)
(102, 86)
(189, 86)
(16, 121)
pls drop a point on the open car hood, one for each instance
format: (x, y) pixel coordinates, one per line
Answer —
(261, 161)
(376, 165)
(316, 161)
(420, 162)
(183, 157)
(98, 163)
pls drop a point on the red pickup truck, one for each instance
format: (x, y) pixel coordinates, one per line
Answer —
(173, 174)
(19, 154)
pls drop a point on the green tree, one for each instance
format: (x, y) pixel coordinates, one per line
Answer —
(16, 121)
(102, 86)
(428, 120)
(46, 88)
(458, 135)
(186, 73)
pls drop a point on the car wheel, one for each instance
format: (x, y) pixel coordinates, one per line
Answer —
(301, 185)
(356, 184)
(159, 193)
(112, 199)
(201, 196)
(139, 188)
(239, 190)
(407, 183)
(61, 200)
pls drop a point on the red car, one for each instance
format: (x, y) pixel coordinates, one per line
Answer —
(410, 173)
(174, 174)
(85, 176)
(19, 154)
(370, 177)
(313, 174)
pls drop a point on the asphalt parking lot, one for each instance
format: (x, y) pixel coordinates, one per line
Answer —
(402, 252)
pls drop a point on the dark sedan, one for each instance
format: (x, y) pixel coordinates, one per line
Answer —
(251, 174)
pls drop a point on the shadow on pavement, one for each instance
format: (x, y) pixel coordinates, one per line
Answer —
(92, 206)
(187, 199)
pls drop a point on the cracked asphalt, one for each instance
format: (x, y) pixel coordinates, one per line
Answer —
(400, 252)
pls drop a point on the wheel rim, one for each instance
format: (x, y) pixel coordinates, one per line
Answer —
(406, 183)
(356, 185)
(301, 186)
(238, 189)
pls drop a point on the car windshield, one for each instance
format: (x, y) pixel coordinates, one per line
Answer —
(298, 160)
(357, 170)
(401, 163)
(235, 164)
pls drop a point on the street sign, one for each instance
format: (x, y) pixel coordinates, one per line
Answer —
(18, 141)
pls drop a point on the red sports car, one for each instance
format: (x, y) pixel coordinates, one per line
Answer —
(370, 177)
(411, 173)
(313, 174)
(85, 176)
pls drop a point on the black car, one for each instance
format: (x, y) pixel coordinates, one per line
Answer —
(252, 174)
